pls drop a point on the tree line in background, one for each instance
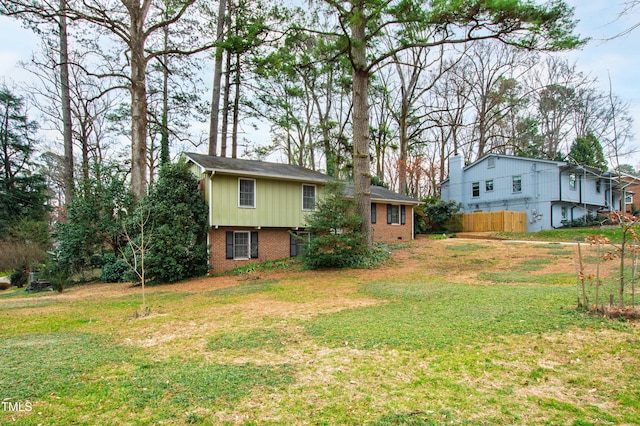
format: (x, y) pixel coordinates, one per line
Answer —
(354, 88)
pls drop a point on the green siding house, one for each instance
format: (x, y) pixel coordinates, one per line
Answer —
(256, 206)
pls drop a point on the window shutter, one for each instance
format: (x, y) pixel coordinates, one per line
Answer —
(293, 245)
(403, 215)
(254, 245)
(373, 213)
(389, 214)
(229, 244)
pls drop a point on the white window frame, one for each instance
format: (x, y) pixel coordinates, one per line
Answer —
(486, 185)
(475, 189)
(248, 253)
(315, 197)
(240, 205)
(515, 178)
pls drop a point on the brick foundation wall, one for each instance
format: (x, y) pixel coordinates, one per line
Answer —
(384, 232)
(273, 243)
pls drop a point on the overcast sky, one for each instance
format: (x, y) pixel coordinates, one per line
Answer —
(600, 20)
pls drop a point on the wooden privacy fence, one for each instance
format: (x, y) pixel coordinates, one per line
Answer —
(502, 221)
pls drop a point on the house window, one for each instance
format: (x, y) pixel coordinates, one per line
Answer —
(242, 245)
(247, 193)
(598, 186)
(475, 189)
(374, 213)
(516, 184)
(308, 197)
(491, 162)
(299, 243)
(396, 215)
(572, 181)
(488, 185)
(563, 213)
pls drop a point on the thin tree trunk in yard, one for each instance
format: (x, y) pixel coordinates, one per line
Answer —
(217, 77)
(361, 167)
(66, 105)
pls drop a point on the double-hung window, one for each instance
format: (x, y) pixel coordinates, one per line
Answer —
(516, 184)
(396, 215)
(475, 189)
(308, 197)
(242, 245)
(246, 193)
(488, 186)
(573, 179)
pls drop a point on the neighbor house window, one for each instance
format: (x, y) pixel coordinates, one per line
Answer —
(308, 197)
(598, 186)
(491, 162)
(563, 213)
(572, 181)
(242, 245)
(246, 192)
(475, 189)
(516, 184)
(488, 185)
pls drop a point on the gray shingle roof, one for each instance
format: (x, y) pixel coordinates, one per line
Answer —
(256, 168)
(235, 166)
(379, 193)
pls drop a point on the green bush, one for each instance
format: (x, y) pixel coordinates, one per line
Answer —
(336, 239)
(440, 215)
(56, 272)
(19, 276)
(586, 221)
(174, 220)
(114, 269)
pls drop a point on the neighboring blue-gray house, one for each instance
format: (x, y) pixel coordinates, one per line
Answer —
(550, 192)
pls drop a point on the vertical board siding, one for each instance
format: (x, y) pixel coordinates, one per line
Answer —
(502, 221)
(278, 203)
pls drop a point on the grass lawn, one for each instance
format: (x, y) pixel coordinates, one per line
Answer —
(450, 332)
(614, 233)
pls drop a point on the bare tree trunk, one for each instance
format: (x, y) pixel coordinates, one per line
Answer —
(236, 109)
(217, 77)
(225, 107)
(361, 168)
(164, 126)
(67, 135)
(138, 103)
